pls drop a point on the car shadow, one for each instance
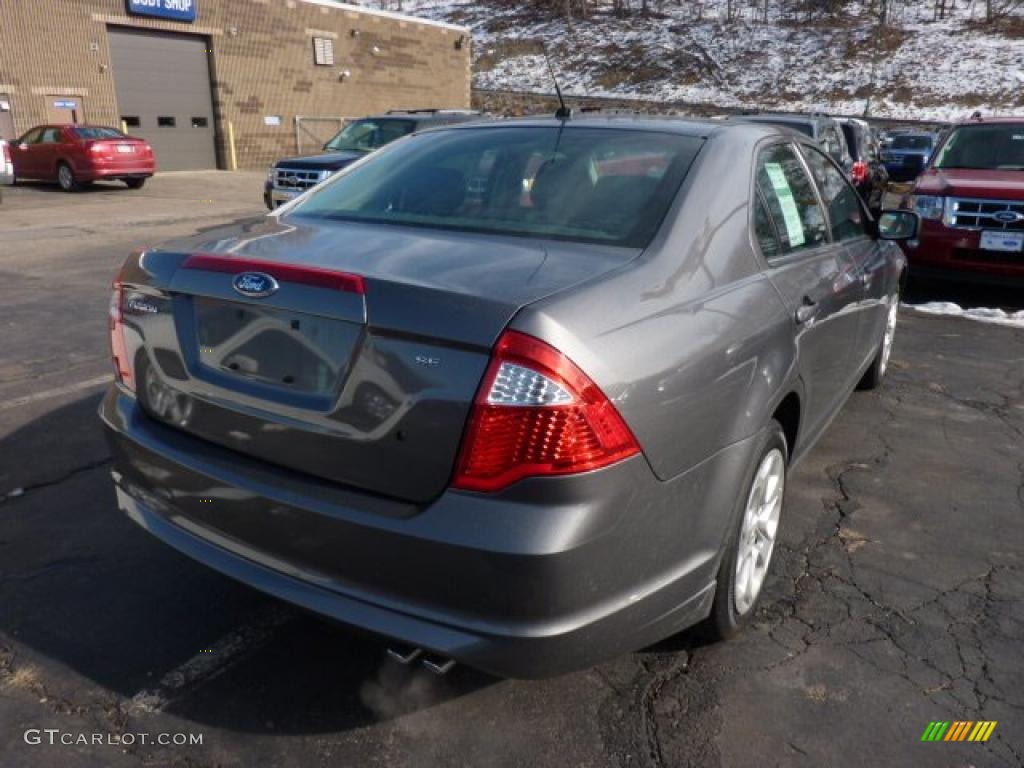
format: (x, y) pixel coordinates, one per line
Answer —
(91, 188)
(83, 588)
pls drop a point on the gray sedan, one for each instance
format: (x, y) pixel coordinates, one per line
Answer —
(520, 394)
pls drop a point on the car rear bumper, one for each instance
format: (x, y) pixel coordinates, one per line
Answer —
(116, 172)
(956, 253)
(549, 576)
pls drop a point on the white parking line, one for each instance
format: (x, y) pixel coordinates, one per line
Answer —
(58, 392)
(211, 662)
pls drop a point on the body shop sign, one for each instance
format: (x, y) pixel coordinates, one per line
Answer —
(178, 10)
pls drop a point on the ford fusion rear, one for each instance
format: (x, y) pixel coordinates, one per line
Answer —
(506, 394)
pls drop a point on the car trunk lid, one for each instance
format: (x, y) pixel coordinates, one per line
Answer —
(124, 149)
(362, 365)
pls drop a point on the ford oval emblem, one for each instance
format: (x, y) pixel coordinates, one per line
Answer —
(255, 285)
(1008, 217)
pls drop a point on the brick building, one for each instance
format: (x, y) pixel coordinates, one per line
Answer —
(216, 83)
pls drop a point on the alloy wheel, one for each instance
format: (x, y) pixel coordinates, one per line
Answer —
(65, 177)
(760, 527)
(887, 338)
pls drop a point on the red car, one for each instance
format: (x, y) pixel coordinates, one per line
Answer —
(971, 201)
(74, 155)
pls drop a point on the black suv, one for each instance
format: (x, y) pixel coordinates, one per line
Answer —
(289, 178)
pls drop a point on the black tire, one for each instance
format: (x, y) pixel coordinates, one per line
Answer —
(66, 178)
(725, 620)
(872, 378)
(135, 183)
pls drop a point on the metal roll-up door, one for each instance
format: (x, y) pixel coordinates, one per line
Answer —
(162, 82)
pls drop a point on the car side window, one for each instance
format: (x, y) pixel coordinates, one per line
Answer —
(764, 229)
(31, 137)
(790, 199)
(845, 212)
(50, 136)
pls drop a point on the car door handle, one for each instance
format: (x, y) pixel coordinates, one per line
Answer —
(807, 311)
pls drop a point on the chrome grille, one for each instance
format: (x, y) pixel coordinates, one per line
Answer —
(298, 178)
(965, 213)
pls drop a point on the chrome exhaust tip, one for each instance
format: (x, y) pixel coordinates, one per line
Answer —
(439, 666)
(406, 658)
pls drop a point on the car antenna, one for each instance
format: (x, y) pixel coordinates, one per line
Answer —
(563, 113)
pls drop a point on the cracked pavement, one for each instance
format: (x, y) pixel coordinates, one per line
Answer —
(896, 597)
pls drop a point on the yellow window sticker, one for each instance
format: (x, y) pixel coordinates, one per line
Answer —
(790, 214)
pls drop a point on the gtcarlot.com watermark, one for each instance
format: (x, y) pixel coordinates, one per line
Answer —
(56, 737)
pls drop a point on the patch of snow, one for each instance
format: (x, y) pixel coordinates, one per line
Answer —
(982, 314)
(937, 69)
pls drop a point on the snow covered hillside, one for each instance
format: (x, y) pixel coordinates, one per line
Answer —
(687, 50)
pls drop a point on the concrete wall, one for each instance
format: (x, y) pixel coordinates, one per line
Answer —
(261, 56)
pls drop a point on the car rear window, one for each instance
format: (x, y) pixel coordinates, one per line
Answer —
(93, 132)
(995, 147)
(911, 142)
(595, 185)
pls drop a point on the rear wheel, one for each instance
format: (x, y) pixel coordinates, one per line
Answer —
(66, 178)
(873, 376)
(135, 183)
(745, 564)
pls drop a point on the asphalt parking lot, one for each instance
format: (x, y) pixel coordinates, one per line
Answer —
(897, 598)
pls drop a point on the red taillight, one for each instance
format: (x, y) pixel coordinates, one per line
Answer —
(859, 172)
(118, 348)
(536, 413)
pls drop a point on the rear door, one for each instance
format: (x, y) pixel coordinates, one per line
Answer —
(813, 275)
(847, 220)
(23, 154)
(46, 152)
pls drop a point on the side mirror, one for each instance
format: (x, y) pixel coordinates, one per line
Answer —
(898, 225)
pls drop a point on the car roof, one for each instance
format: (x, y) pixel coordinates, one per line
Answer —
(679, 124)
(426, 115)
(784, 118)
(68, 126)
(989, 121)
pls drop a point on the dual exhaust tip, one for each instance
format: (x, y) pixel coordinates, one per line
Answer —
(439, 665)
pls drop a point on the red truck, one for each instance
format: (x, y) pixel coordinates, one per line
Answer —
(971, 201)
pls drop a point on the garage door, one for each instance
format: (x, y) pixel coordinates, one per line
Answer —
(163, 94)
